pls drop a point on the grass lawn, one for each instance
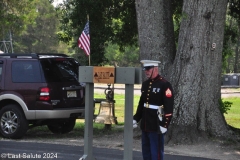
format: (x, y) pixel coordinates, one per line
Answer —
(119, 105)
(233, 115)
(232, 118)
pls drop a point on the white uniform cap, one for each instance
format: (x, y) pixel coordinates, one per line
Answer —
(147, 64)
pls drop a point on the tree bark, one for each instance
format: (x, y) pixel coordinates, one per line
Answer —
(196, 75)
(156, 33)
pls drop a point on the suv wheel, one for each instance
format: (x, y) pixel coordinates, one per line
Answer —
(62, 126)
(13, 123)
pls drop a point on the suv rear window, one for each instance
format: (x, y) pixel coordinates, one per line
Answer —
(25, 71)
(60, 69)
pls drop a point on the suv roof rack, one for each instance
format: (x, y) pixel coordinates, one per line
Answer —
(32, 55)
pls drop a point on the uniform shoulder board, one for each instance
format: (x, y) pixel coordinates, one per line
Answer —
(162, 79)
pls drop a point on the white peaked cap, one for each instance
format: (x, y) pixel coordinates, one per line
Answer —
(147, 63)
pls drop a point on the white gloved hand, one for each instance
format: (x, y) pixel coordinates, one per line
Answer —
(163, 130)
(134, 124)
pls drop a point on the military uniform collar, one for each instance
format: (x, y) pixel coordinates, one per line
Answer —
(156, 78)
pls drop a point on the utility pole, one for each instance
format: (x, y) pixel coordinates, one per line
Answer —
(6, 45)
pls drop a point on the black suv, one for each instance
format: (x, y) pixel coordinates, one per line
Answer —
(39, 89)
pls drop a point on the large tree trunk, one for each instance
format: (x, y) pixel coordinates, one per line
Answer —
(156, 34)
(196, 75)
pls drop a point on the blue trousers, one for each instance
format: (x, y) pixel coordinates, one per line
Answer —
(152, 146)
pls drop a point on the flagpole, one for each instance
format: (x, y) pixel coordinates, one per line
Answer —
(89, 59)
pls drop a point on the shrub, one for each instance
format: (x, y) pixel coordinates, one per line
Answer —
(225, 106)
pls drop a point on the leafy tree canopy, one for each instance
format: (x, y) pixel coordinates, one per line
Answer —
(15, 15)
(39, 36)
(234, 9)
(109, 21)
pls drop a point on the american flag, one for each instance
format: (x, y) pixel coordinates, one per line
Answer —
(84, 40)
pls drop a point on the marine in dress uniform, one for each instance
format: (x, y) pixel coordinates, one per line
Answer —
(155, 109)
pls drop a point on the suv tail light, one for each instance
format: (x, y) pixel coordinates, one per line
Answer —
(44, 94)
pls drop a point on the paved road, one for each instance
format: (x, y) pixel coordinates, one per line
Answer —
(35, 151)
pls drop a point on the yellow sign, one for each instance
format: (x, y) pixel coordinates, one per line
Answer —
(103, 75)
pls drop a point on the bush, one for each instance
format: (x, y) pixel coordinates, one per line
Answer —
(225, 106)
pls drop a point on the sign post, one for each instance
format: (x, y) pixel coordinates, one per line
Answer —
(88, 130)
(121, 75)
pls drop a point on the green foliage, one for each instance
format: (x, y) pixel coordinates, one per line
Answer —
(74, 15)
(234, 9)
(127, 58)
(230, 39)
(40, 36)
(224, 106)
(126, 31)
(15, 15)
(73, 19)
